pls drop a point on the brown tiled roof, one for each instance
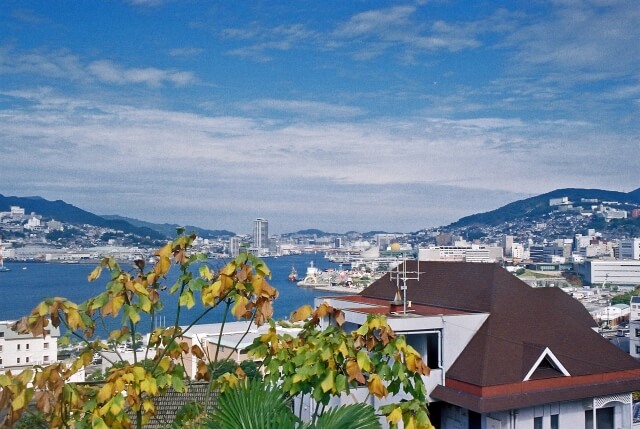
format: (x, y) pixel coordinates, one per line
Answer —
(522, 323)
(170, 403)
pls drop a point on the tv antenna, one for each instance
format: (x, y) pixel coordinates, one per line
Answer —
(401, 276)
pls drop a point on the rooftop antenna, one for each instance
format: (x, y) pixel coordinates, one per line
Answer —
(401, 278)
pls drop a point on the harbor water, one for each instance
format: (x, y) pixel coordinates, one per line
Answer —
(27, 284)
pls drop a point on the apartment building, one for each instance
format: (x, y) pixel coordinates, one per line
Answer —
(18, 351)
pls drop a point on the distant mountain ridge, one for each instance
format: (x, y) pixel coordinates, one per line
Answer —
(169, 230)
(538, 205)
(64, 212)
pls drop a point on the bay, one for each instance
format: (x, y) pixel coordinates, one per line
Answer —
(27, 284)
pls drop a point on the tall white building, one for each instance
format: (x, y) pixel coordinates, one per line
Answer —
(630, 248)
(261, 235)
(234, 246)
(19, 351)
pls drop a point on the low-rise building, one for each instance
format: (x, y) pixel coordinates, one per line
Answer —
(613, 272)
(18, 351)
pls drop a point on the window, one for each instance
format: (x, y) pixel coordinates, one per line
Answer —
(537, 423)
(637, 332)
(45, 346)
(638, 350)
(18, 347)
(0, 361)
(27, 347)
(0, 347)
(45, 358)
(27, 359)
(555, 421)
(18, 360)
(428, 345)
(2, 334)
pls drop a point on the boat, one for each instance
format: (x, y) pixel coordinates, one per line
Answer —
(314, 278)
(3, 269)
(293, 276)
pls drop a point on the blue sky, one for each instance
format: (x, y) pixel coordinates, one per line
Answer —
(338, 115)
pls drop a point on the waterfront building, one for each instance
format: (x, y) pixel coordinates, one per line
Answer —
(502, 354)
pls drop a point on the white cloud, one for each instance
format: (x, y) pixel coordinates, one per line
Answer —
(129, 155)
(64, 65)
(107, 71)
(302, 107)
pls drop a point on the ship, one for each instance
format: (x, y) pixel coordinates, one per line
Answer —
(3, 269)
(293, 275)
(314, 278)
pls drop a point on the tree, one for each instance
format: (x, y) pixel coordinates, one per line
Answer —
(372, 356)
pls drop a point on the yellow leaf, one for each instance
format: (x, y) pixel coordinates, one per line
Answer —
(363, 360)
(395, 416)
(240, 309)
(95, 273)
(411, 424)
(376, 386)
(329, 382)
(105, 392)
(186, 299)
(301, 313)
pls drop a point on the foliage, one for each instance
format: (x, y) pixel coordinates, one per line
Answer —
(252, 404)
(327, 362)
(625, 298)
(30, 420)
(255, 404)
(321, 362)
(129, 388)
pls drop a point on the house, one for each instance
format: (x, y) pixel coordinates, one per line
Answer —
(502, 354)
(21, 351)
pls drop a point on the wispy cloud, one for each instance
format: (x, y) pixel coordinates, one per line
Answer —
(64, 65)
(185, 52)
(588, 40)
(302, 107)
(107, 71)
(263, 40)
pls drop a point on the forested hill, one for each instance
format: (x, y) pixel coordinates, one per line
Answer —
(539, 205)
(64, 212)
(169, 229)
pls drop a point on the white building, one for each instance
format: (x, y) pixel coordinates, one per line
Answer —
(260, 242)
(614, 272)
(471, 253)
(630, 248)
(19, 351)
(517, 251)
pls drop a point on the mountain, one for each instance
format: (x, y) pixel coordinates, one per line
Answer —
(169, 230)
(64, 212)
(539, 205)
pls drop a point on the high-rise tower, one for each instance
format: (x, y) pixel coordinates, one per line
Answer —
(261, 235)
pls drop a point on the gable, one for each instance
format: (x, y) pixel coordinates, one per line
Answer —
(546, 366)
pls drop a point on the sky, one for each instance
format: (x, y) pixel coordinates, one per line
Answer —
(337, 115)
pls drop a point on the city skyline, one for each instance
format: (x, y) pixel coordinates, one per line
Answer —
(340, 116)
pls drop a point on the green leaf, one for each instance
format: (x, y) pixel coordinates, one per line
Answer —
(186, 299)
